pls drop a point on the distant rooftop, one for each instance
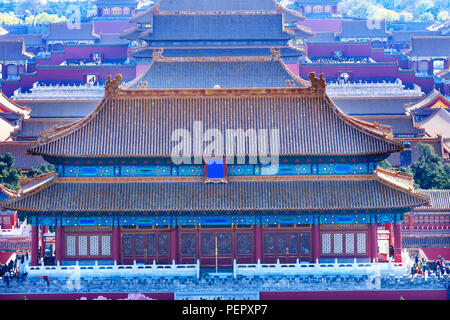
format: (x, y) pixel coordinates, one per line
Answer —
(223, 72)
(13, 50)
(429, 46)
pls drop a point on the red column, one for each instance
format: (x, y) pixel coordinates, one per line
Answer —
(373, 233)
(173, 244)
(411, 222)
(315, 242)
(42, 244)
(398, 241)
(116, 242)
(34, 245)
(258, 243)
(58, 243)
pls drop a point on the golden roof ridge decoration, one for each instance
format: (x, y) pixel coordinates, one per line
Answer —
(112, 87)
(161, 58)
(318, 85)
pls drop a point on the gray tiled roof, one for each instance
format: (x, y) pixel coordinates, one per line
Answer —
(363, 29)
(216, 5)
(401, 125)
(139, 123)
(217, 27)
(62, 31)
(32, 128)
(207, 73)
(440, 200)
(13, 50)
(59, 109)
(430, 46)
(374, 106)
(19, 152)
(173, 197)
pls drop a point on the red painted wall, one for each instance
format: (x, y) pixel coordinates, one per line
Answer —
(357, 295)
(349, 50)
(77, 296)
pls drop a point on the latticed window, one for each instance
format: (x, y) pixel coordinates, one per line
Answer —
(349, 243)
(70, 246)
(293, 243)
(82, 245)
(151, 243)
(116, 10)
(361, 243)
(269, 243)
(244, 243)
(305, 243)
(128, 245)
(188, 244)
(94, 245)
(338, 243)
(139, 244)
(163, 244)
(106, 245)
(208, 243)
(224, 243)
(326, 243)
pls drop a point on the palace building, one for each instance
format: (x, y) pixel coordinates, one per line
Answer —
(188, 28)
(119, 196)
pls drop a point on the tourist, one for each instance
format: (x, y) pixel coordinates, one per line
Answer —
(6, 277)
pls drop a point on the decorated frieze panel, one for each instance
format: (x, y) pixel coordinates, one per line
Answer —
(241, 170)
(299, 219)
(199, 170)
(385, 218)
(343, 226)
(345, 219)
(88, 171)
(216, 220)
(146, 171)
(193, 170)
(145, 221)
(46, 221)
(87, 221)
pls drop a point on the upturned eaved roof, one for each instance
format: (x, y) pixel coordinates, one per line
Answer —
(428, 46)
(63, 32)
(216, 5)
(225, 72)
(13, 50)
(140, 122)
(433, 100)
(271, 194)
(10, 108)
(440, 200)
(23, 161)
(216, 27)
(363, 29)
(437, 123)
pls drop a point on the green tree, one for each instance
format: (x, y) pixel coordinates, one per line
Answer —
(9, 177)
(429, 171)
(42, 169)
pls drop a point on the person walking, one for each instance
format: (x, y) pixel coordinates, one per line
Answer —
(6, 277)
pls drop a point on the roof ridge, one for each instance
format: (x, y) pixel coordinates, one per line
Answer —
(400, 187)
(8, 192)
(360, 125)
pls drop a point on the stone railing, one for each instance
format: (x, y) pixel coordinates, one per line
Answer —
(23, 232)
(134, 270)
(371, 89)
(318, 269)
(61, 92)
